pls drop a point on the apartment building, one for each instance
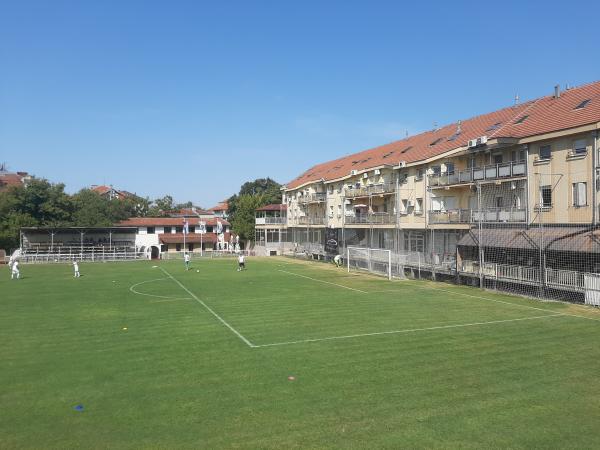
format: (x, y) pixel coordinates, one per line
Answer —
(449, 192)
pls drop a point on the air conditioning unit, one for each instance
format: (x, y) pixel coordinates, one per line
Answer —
(365, 175)
(481, 140)
(377, 172)
(402, 164)
(353, 172)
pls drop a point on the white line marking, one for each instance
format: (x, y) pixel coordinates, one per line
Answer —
(410, 330)
(502, 301)
(131, 288)
(237, 333)
(322, 281)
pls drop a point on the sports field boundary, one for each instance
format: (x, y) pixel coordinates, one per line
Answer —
(408, 330)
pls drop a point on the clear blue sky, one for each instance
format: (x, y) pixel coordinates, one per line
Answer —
(193, 98)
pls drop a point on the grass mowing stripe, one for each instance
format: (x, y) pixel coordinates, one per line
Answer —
(321, 281)
(412, 330)
(237, 333)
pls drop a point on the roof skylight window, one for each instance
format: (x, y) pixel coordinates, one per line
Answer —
(435, 142)
(406, 149)
(583, 104)
(454, 136)
(494, 127)
(521, 119)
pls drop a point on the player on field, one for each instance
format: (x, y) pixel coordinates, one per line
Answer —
(15, 270)
(186, 259)
(241, 263)
(337, 260)
(76, 269)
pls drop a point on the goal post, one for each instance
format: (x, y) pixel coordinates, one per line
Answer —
(373, 260)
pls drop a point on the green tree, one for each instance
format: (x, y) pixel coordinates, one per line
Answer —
(266, 189)
(40, 203)
(243, 222)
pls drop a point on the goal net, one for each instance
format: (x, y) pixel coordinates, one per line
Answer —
(373, 260)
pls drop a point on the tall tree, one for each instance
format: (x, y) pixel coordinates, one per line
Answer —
(243, 221)
(264, 191)
(40, 203)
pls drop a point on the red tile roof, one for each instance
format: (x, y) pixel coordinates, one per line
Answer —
(166, 221)
(545, 114)
(273, 207)
(223, 206)
(11, 179)
(189, 212)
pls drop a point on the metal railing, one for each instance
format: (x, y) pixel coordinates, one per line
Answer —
(309, 220)
(365, 191)
(270, 220)
(557, 278)
(491, 172)
(495, 215)
(313, 198)
(372, 219)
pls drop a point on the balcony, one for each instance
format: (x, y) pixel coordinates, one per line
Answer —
(365, 191)
(270, 221)
(488, 215)
(313, 198)
(371, 219)
(308, 220)
(492, 172)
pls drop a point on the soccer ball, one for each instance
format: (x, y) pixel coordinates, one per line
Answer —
(198, 271)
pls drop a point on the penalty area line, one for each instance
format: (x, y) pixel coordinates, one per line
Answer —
(219, 318)
(323, 281)
(409, 330)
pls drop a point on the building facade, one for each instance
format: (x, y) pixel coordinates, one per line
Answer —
(527, 166)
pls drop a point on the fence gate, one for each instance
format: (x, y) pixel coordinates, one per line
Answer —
(592, 289)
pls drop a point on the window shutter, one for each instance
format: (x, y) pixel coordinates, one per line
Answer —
(581, 194)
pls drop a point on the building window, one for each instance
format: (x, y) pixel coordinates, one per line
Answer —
(498, 202)
(178, 247)
(498, 159)
(470, 163)
(330, 188)
(419, 206)
(404, 206)
(192, 228)
(545, 151)
(150, 230)
(517, 156)
(191, 247)
(178, 229)
(436, 170)
(546, 196)
(579, 194)
(450, 168)
(419, 175)
(414, 242)
(167, 230)
(580, 147)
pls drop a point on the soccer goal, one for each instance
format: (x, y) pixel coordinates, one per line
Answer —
(373, 260)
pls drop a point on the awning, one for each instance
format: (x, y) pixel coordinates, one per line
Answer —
(550, 238)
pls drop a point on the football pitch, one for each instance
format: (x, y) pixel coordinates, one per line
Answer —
(287, 354)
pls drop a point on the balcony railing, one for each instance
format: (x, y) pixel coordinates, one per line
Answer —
(371, 219)
(308, 220)
(270, 220)
(492, 172)
(313, 198)
(365, 191)
(503, 215)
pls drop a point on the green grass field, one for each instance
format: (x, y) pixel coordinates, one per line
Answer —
(164, 358)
